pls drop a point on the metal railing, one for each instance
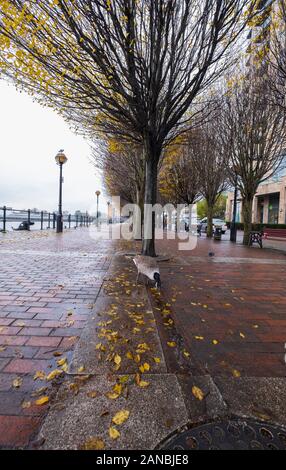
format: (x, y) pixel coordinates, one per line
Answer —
(40, 220)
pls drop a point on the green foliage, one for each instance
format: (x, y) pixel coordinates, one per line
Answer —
(219, 208)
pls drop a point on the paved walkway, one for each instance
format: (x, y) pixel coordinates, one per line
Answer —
(219, 324)
(236, 299)
(48, 285)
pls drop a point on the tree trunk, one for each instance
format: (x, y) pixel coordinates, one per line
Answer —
(210, 210)
(148, 245)
(139, 214)
(247, 218)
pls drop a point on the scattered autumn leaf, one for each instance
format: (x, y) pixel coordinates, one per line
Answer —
(57, 354)
(92, 394)
(39, 375)
(55, 373)
(157, 360)
(113, 433)
(42, 401)
(171, 344)
(17, 382)
(93, 443)
(198, 393)
(120, 417)
(62, 361)
(117, 359)
(236, 373)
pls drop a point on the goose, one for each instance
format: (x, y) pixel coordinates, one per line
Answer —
(149, 267)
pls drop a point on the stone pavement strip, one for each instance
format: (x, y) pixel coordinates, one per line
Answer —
(219, 324)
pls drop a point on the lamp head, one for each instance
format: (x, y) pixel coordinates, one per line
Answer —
(97, 193)
(60, 157)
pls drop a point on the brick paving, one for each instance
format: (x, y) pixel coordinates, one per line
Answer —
(229, 312)
(48, 285)
(229, 309)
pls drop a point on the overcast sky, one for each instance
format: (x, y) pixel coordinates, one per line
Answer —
(30, 137)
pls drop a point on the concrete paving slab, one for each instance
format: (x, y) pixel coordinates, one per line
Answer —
(211, 407)
(155, 412)
(258, 397)
(119, 326)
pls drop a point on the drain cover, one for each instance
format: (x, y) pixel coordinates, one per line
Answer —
(227, 435)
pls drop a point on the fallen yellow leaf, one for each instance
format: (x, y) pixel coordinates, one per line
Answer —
(129, 355)
(55, 373)
(62, 361)
(117, 388)
(236, 373)
(92, 394)
(143, 383)
(241, 335)
(17, 382)
(157, 360)
(198, 393)
(117, 359)
(113, 433)
(171, 344)
(144, 367)
(39, 375)
(112, 395)
(199, 337)
(120, 417)
(93, 443)
(80, 369)
(42, 400)
(215, 341)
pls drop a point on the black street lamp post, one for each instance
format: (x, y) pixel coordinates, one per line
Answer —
(233, 228)
(108, 218)
(97, 196)
(61, 160)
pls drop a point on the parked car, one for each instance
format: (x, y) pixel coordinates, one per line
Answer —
(194, 222)
(216, 223)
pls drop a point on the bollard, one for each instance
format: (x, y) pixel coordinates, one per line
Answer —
(49, 220)
(42, 219)
(69, 220)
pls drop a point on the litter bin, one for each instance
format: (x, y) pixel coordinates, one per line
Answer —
(217, 233)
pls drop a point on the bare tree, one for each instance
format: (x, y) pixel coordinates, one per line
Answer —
(179, 179)
(253, 133)
(211, 164)
(122, 165)
(276, 57)
(140, 63)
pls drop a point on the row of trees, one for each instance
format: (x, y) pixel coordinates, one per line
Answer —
(243, 142)
(137, 74)
(133, 69)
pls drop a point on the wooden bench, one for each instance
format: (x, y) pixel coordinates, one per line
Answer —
(274, 233)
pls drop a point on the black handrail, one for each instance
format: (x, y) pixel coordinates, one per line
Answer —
(30, 216)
